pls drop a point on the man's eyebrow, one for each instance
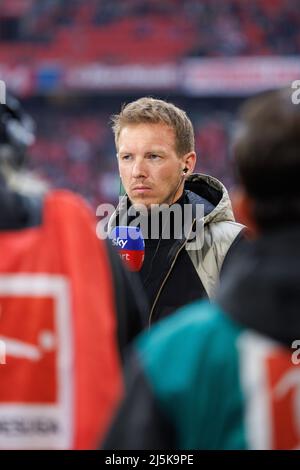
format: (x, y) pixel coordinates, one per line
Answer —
(156, 150)
(148, 152)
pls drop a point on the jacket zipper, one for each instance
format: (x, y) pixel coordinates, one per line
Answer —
(166, 277)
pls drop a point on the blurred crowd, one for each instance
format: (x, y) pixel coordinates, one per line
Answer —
(146, 31)
(75, 152)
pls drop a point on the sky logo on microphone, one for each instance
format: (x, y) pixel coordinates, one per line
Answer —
(130, 244)
(119, 242)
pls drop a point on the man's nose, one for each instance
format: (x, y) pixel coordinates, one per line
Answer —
(139, 169)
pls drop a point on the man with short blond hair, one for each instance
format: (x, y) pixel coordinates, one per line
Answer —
(154, 111)
(156, 158)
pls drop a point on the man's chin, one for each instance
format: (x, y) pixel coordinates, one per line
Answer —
(143, 202)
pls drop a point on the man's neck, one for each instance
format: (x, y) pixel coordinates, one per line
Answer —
(166, 223)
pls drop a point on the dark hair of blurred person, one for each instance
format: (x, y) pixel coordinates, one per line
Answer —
(226, 375)
(267, 159)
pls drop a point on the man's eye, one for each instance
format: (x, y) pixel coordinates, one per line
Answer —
(153, 156)
(126, 157)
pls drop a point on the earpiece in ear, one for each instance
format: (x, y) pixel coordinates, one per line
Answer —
(185, 170)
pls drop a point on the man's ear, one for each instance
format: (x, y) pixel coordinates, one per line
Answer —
(243, 210)
(190, 162)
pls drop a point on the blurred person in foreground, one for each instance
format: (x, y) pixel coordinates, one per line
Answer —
(63, 324)
(156, 158)
(226, 375)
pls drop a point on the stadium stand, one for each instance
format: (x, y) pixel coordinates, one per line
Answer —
(74, 148)
(113, 32)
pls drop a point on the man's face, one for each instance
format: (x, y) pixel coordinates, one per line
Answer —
(149, 166)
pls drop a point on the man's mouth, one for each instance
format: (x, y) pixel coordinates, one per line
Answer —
(141, 189)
